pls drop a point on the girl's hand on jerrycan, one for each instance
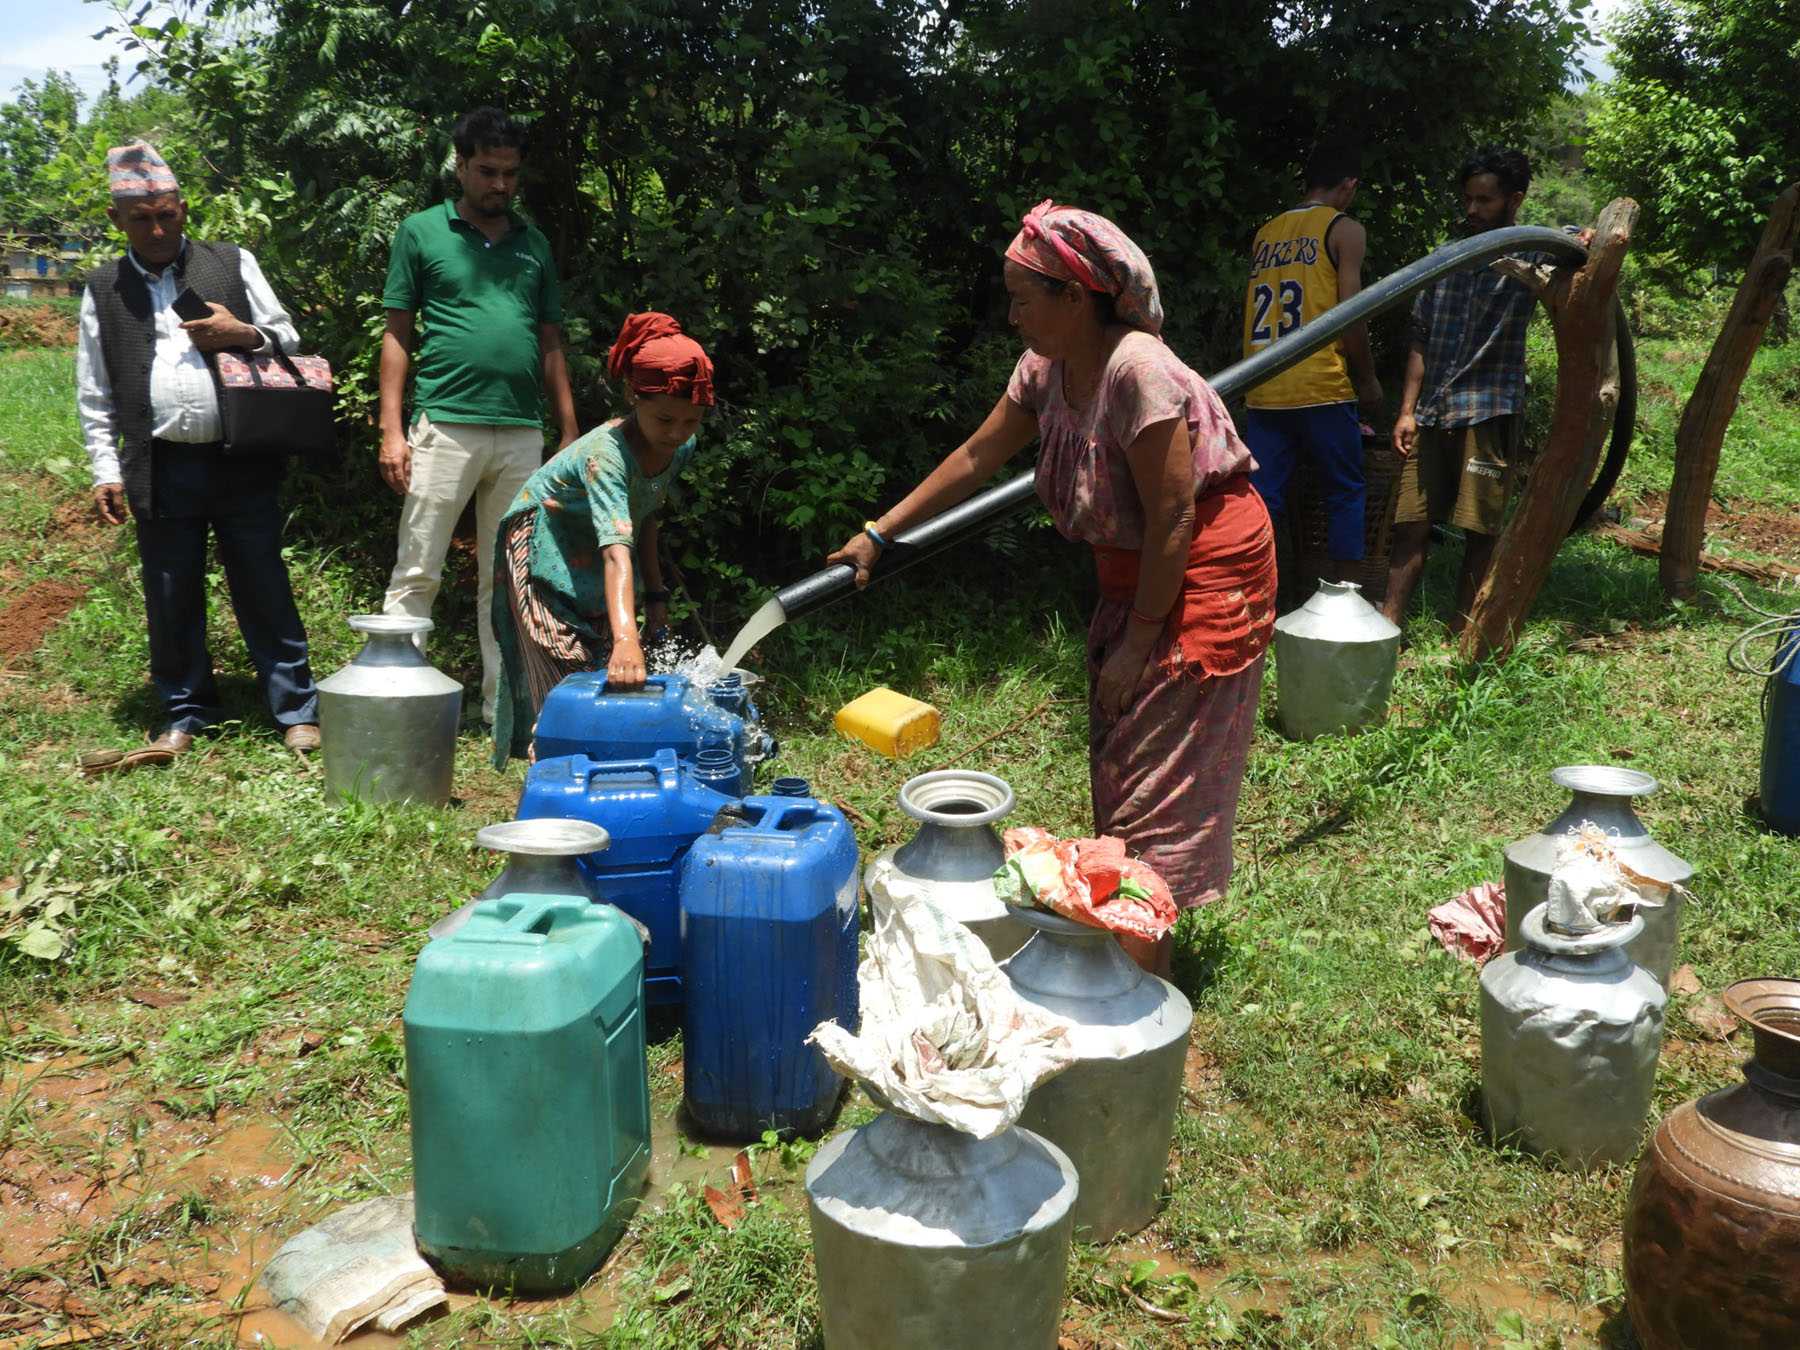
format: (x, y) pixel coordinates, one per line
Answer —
(625, 670)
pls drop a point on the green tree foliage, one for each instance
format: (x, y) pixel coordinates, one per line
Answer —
(1562, 191)
(53, 153)
(1699, 124)
(820, 189)
(34, 129)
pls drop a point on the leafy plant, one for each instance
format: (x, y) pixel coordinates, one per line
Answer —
(37, 911)
(1698, 122)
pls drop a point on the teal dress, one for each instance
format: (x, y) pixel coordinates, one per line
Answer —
(590, 496)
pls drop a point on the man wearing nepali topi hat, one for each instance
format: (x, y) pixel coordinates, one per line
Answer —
(150, 417)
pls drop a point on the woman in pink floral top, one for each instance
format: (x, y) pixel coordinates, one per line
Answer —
(1139, 460)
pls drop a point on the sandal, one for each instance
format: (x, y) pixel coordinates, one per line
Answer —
(93, 763)
(162, 750)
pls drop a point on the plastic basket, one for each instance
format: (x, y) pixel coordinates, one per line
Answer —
(1381, 469)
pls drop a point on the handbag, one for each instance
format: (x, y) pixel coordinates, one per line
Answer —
(271, 403)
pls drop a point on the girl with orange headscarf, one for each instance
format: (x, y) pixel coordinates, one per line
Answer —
(1139, 460)
(577, 548)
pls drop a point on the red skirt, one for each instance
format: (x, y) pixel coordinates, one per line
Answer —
(1224, 617)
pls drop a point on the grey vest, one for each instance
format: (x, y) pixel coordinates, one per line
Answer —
(128, 336)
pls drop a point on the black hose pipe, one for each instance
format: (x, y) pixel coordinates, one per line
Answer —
(978, 512)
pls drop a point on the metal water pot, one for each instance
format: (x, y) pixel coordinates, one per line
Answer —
(1603, 796)
(1334, 663)
(1712, 1229)
(1113, 1110)
(540, 860)
(387, 721)
(957, 851)
(1570, 1032)
(926, 1238)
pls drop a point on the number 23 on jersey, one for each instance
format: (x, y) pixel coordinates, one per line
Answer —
(1264, 309)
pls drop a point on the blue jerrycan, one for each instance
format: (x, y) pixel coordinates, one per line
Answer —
(528, 1090)
(1781, 735)
(582, 716)
(653, 809)
(768, 943)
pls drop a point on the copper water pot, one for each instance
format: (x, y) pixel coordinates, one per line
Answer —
(1712, 1231)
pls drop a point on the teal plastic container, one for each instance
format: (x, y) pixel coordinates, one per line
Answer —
(529, 1091)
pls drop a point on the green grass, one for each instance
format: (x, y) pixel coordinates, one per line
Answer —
(1328, 1185)
(1759, 462)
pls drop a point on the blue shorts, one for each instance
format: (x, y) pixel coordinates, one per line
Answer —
(1329, 435)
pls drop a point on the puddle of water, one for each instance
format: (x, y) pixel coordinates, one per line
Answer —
(275, 1329)
(250, 1154)
(670, 1165)
(245, 1160)
(590, 1310)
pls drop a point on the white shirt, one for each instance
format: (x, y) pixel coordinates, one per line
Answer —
(184, 405)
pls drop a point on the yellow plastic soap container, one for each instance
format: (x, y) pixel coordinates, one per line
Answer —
(888, 723)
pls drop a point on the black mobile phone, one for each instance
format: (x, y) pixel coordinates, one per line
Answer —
(190, 306)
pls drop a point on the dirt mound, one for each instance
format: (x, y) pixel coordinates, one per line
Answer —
(32, 613)
(1775, 534)
(30, 325)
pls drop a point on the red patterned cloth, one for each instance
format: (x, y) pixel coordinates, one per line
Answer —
(1224, 617)
(654, 356)
(241, 370)
(1091, 881)
(1070, 244)
(1473, 925)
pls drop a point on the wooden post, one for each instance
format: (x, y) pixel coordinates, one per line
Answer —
(1709, 409)
(1584, 403)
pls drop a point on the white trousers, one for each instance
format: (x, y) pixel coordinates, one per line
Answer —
(450, 460)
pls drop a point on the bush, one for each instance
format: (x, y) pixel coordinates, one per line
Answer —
(820, 189)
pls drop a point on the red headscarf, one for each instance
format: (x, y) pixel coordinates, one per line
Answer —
(1070, 244)
(654, 356)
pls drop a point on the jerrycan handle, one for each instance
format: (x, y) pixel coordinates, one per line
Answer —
(528, 920)
(729, 818)
(654, 686)
(772, 817)
(662, 768)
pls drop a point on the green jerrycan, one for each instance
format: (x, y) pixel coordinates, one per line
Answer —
(529, 1091)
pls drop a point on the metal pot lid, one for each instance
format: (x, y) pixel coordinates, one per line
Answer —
(388, 625)
(978, 798)
(1604, 780)
(544, 838)
(1535, 931)
(1051, 922)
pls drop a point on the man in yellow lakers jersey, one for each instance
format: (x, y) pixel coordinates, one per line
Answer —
(1303, 262)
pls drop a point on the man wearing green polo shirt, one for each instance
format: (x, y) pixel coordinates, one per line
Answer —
(485, 285)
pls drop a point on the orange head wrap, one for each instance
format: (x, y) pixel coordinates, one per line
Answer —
(654, 356)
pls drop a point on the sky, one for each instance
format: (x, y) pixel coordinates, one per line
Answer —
(59, 36)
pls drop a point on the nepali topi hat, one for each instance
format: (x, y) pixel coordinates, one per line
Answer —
(136, 170)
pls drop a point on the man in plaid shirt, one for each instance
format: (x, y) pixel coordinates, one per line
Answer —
(1462, 408)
